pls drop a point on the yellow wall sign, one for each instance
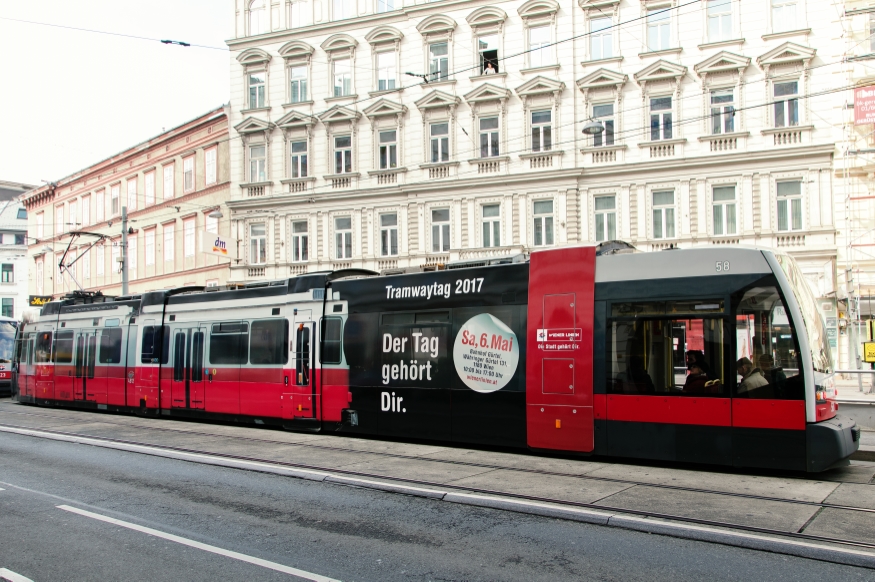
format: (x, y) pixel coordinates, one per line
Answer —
(869, 352)
(39, 300)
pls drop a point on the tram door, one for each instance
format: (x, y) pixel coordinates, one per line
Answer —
(302, 395)
(84, 358)
(187, 380)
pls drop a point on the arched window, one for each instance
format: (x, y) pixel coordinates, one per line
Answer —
(256, 17)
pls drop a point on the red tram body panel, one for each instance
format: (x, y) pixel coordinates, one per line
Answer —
(705, 355)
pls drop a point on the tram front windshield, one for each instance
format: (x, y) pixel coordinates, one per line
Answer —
(7, 340)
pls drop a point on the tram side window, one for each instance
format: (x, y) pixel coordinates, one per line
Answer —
(302, 356)
(229, 343)
(672, 355)
(267, 342)
(156, 345)
(766, 348)
(179, 356)
(64, 347)
(331, 340)
(43, 347)
(110, 346)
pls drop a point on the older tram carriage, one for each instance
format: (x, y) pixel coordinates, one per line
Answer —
(704, 355)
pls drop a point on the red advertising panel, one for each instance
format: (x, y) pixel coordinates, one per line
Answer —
(864, 105)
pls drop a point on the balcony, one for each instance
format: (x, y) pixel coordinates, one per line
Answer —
(298, 185)
(297, 269)
(388, 176)
(342, 181)
(256, 189)
(440, 170)
(491, 165)
(542, 160)
(788, 136)
(725, 142)
(667, 148)
(790, 240)
(605, 154)
(490, 252)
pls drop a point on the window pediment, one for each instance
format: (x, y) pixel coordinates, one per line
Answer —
(487, 92)
(602, 78)
(296, 49)
(253, 56)
(339, 42)
(436, 23)
(253, 125)
(789, 52)
(722, 62)
(384, 34)
(486, 16)
(538, 9)
(385, 107)
(539, 86)
(295, 119)
(437, 99)
(603, 5)
(339, 113)
(660, 71)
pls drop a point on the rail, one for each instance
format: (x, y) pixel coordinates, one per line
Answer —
(860, 378)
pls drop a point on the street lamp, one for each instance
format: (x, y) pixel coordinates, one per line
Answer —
(47, 249)
(593, 127)
(217, 214)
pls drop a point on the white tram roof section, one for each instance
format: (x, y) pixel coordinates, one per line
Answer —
(680, 264)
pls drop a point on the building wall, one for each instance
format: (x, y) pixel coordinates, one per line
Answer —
(84, 202)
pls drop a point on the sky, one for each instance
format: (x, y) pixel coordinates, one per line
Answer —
(70, 98)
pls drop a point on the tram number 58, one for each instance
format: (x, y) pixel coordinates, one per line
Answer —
(722, 266)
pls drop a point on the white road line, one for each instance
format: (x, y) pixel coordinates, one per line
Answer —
(206, 547)
(12, 576)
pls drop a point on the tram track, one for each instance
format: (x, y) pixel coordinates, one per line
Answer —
(562, 503)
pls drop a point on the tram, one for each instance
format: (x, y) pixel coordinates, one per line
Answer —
(714, 355)
(8, 329)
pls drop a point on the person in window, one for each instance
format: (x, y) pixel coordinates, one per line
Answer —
(696, 379)
(698, 357)
(776, 376)
(751, 378)
(489, 70)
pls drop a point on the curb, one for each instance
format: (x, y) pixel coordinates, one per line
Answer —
(678, 530)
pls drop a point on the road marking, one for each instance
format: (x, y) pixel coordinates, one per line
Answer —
(201, 546)
(12, 576)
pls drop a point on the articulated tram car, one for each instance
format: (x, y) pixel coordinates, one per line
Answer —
(564, 352)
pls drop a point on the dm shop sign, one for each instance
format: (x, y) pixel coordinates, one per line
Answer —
(864, 105)
(215, 244)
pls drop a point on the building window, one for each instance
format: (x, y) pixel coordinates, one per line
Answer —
(389, 235)
(7, 274)
(256, 89)
(872, 32)
(86, 265)
(605, 114)
(8, 307)
(188, 237)
(300, 248)
(211, 224)
(343, 9)
(658, 29)
(540, 47)
(22, 214)
(296, 14)
(39, 277)
(168, 242)
(438, 61)
(39, 224)
(299, 159)
(342, 154)
(601, 43)
(783, 15)
(786, 104)
(543, 224)
(132, 194)
(297, 84)
(386, 71)
(168, 182)
(388, 149)
(59, 220)
(211, 169)
(258, 163)
(20, 239)
(660, 118)
(149, 189)
(72, 215)
(492, 225)
(150, 247)
(790, 205)
(724, 210)
(86, 210)
(440, 142)
(487, 48)
(99, 205)
(100, 258)
(489, 137)
(257, 243)
(440, 230)
(605, 218)
(188, 174)
(343, 237)
(663, 214)
(722, 111)
(719, 20)
(342, 78)
(132, 257)
(542, 139)
(385, 5)
(115, 200)
(257, 17)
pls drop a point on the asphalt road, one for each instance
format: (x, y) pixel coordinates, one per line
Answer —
(318, 528)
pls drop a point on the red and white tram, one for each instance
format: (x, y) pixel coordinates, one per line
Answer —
(711, 355)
